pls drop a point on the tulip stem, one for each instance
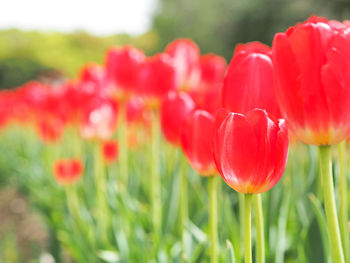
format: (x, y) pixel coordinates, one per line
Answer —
(73, 203)
(213, 218)
(330, 207)
(259, 219)
(183, 205)
(155, 177)
(122, 140)
(241, 222)
(102, 210)
(343, 194)
(247, 228)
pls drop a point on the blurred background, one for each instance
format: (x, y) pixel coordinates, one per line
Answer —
(50, 40)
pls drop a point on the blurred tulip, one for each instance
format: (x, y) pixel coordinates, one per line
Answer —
(157, 76)
(122, 66)
(208, 95)
(100, 121)
(110, 151)
(50, 130)
(68, 171)
(212, 68)
(251, 150)
(196, 141)
(185, 54)
(248, 82)
(92, 72)
(312, 71)
(174, 109)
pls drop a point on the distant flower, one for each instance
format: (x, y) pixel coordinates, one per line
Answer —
(110, 151)
(68, 171)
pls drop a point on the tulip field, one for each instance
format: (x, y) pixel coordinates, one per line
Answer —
(183, 157)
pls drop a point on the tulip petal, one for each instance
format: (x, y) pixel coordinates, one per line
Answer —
(235, 151)
(310, 43)
(287, 76)
(266, 133)
(248, 84)
(336, 81)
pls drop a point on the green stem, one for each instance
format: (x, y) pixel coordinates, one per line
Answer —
(213, 218)
(101, 194)
(329, 201)
(247, 228)
(241, 223)
(122, 141)
(155, 177)
(343, 194)
(183, 205)
(259, 221)
(73, 203)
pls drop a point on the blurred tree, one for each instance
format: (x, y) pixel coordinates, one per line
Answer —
(24, 53)
(14, 72)
(218, 25)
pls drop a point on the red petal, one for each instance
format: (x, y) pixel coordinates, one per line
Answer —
(235, 151)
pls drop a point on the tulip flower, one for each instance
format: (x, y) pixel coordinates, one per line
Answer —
(174, 109)
(99, 121)
(110, 151)
(250, 152)
(185, 54)
(93, 73)
(212, 68)
(208, 95)
(122, 66)
(312, 69)
(68, 171)
(157, 77)
(50, 130)
(196, 141)
(248, 82)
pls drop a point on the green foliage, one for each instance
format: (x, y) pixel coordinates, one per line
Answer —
(24, 54)
(293, 215)
(16, 71)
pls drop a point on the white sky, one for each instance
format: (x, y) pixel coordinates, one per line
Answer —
(100, 17)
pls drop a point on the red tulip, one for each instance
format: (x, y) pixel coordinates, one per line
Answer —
(250, 151)
(122, 66)
(208, 95)
(99, 120)
(253, 47)
(196, 141)
(174, 109)
(68, 171)
(110, 151)
(92, 72)
(50, 130)
(212, 68)
(312, 71)
(185, 54)
(157, 76)
(248, 82)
